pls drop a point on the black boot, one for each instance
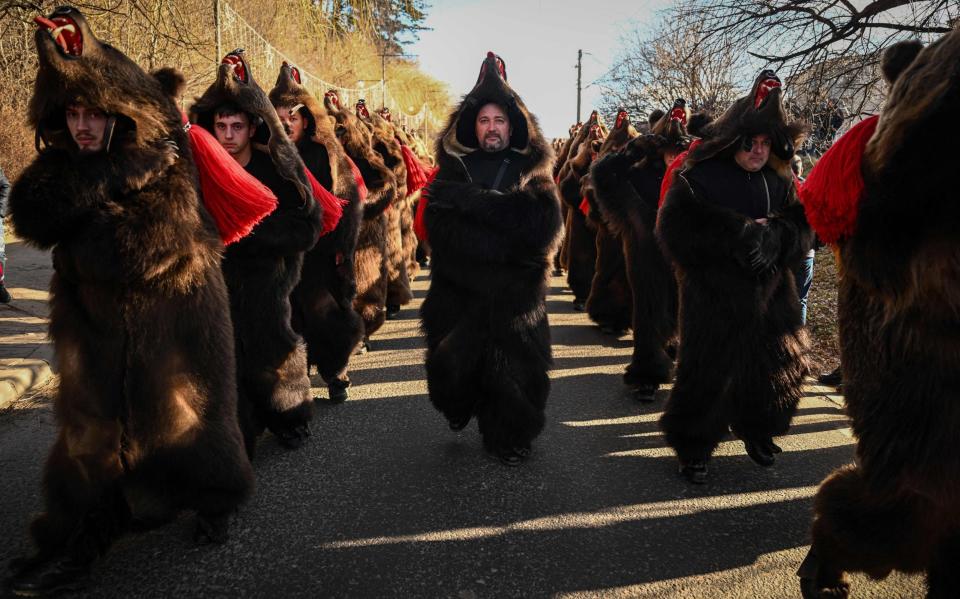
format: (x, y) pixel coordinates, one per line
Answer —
(292, 437)
(511, 456)
(337, 389)
(392, 311)
(458, 424)
(832, 378)
(814, 584)
(54, 576)
(694, 471)
(645, 393)
(761, 451)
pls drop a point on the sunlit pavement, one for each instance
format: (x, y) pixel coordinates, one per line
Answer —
(386, 501)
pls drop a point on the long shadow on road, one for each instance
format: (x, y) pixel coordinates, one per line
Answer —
(386, 501)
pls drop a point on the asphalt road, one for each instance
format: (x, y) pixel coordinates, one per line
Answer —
(385, 501)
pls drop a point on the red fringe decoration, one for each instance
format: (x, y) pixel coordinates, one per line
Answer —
(416, 173)
(235, 199)
(831, 193)
(419, 226)
(585, 206)
(668, 176)
(331, 205)
(358, 177)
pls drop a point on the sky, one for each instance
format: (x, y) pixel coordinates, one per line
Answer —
(538, 40)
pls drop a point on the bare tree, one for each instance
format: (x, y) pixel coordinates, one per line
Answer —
(671, 62)
(826, 50)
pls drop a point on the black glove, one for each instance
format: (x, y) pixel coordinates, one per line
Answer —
(760, 250)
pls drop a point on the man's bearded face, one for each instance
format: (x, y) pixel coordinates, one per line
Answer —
(493, 128)
(87, 126)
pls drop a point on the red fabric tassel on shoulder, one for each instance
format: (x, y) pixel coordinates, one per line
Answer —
(417, 175)
(235, 199)
(585, 206)
(673, 166)
(331, 205)
(831, 192)
(419, 226)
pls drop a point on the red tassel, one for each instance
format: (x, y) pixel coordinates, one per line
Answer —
(419, 226)
(235, 199)
(331, 205)
(668, 176)
(358, 177)
(831, 193)
(416, 173)
(585, 206)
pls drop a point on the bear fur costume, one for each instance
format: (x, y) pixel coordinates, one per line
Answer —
(262, 270)
(322, 303)
(386, 145)
(581, 235)
(610, 301)
(147, 403)
(627, 189)
(562, 255)
(741, 359)
(898, 506)
(409, 236)
(485, 317)
(370, 264)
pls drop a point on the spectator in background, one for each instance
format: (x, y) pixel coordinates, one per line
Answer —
(804, 270)
(4, 194)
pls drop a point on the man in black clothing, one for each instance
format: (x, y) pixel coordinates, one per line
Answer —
(262, 269)
(323, 300)
(734, 229)
(745, 184)
(492, 219)
(301, 127)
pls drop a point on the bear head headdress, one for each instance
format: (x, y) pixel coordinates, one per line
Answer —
(459, 136)
(761, 111)
(75, 67)
(235, 85)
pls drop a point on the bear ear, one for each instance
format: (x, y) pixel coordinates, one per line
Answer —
(898, 57)
(171, 80)
(697, 122)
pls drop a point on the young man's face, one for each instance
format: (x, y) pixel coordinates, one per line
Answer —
(234, 134)
(293, 122)
(87, 126)
(493, 128)
(756, 157)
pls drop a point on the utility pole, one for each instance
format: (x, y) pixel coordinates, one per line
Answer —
(579, 72)
(216, 26)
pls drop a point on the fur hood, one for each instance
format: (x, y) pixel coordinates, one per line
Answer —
(459, 135)
(672, 126)
(760, 111)
(289, 91)
(623, 131)
(235, 84)
(77, 67)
